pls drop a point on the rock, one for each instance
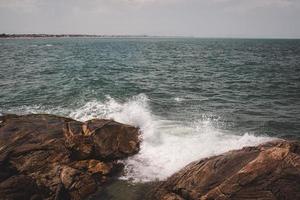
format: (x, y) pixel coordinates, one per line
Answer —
(268, 171)
(78, 184)
(20, 187)
(50, 157)
(95, 166)
(112, 140)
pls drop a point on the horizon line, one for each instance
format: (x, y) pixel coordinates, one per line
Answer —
(66, 35)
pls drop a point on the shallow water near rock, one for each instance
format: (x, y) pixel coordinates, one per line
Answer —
(191, 98)
(122, 190)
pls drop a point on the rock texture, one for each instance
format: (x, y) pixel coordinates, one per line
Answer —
(50, 157)
(266, 172)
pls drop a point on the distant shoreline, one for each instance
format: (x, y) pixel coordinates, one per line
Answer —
(65, 36)
(8, 36)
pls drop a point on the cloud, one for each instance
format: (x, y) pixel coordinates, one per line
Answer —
(252, 4)
(24, 5)
(91, 4)
(152, 17)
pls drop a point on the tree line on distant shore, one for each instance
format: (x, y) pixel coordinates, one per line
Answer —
(4, 35)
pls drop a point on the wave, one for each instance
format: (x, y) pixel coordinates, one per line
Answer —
(167, 145)
(178, 99)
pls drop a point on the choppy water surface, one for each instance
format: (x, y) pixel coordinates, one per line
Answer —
(192, 98)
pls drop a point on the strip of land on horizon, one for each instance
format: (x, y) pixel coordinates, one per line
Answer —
(4, 35)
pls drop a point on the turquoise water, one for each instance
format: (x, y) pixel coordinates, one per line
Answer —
(191, 97)
(251, 85)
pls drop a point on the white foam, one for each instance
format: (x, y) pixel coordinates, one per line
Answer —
(167, 145)
(173, 151)
(178, 99)
(133, 112)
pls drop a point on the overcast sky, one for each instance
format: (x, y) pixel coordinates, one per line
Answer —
(200, 18)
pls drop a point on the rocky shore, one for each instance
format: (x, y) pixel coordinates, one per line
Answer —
(51, 157)
(270, 171)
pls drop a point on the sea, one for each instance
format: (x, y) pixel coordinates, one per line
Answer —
(191, 97)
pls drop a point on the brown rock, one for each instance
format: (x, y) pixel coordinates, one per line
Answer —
(112, 140)
(54, 157)
(268, 171)
(20, 187)
(94, 166)
(77, 183)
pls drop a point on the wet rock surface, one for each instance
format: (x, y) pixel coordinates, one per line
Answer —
(266, 172)
(50, 157)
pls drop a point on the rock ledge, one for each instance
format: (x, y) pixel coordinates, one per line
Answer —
(49, 157)
(267, 172)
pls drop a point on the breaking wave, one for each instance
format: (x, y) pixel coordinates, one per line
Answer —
(167, 145)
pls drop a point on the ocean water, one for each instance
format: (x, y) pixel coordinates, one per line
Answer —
(191, 98)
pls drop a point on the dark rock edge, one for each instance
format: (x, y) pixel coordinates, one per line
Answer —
(45, 156)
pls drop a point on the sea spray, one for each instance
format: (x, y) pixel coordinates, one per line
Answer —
(167, 145)
(134, 112)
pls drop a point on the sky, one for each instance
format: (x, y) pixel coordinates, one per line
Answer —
(196, 18)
